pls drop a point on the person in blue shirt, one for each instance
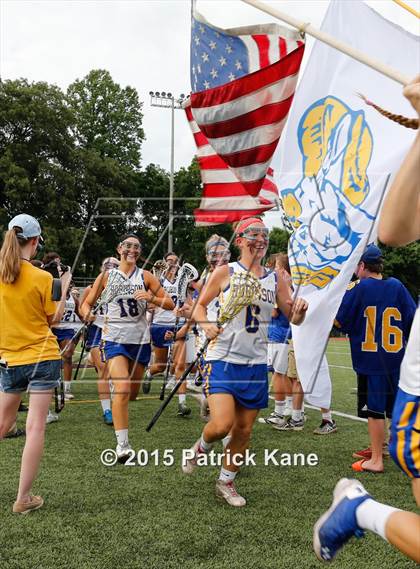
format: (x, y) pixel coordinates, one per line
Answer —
(376, 313)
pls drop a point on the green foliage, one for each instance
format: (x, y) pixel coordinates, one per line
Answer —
(279, 238)
(403, 263)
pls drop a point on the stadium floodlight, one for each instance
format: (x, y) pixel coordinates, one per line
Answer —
(168, 101)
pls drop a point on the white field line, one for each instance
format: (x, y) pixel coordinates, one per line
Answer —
(338, 413)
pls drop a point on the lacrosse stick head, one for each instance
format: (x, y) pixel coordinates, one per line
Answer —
(116, 283)
(187, 273)
(244, 289)
(159, 268)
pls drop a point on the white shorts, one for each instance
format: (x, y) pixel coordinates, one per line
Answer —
(277, 354)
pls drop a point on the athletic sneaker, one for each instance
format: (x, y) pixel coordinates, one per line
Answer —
(33, 503)
(291, 425)
(275, 419)
(227, 491)
(193, 387)
(326, 428)
(334, 528)
(108, 417)
(198, 379)
(123, 452)
(189, 465)
(366, 453)
(171, 382)
(183, 410)
(147, 382)
(51, 417)
(15, 433)
(68, 396)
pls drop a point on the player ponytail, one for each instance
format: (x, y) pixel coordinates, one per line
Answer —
(10, 260)
(400, 119)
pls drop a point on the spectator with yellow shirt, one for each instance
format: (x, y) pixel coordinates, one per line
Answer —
(29, 353)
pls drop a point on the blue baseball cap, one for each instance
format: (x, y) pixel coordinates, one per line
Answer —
(372, 254)
(29, 226)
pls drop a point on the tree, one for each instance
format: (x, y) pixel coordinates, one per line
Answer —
(403, 263)
(279, 239)
(108, 118)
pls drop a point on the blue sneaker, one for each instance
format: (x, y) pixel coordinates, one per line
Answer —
(339, 523)
(108, 417)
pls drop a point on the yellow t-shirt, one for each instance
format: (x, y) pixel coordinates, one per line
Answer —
(25, 336)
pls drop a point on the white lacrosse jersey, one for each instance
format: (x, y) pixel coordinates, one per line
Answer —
(167, 317)
(125, 320)
(69, 320)
(410, 366)
(244, 338)
(100, 316)
(212, 313)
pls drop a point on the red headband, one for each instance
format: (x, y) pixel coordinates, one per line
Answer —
(246, 223)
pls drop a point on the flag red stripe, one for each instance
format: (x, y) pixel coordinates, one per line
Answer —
(263, 44)
(249, 83)
(254, 155)
(225, 216)
(223, 190)
(282, 47)
(267, 114)
(213, 162)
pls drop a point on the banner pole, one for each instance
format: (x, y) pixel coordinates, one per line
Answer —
(408, 8)
(308, 28)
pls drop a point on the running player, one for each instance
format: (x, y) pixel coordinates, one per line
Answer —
(163, 323)
(126, 336)
(93, 342)
(66, 334)
(236, 362)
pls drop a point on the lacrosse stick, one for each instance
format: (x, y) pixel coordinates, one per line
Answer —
(159, 269)
(114, 287)
(82, 351)
(59, 400)
(187, 273)
(244, 289)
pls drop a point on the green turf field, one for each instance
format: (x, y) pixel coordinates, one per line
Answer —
(156, 518)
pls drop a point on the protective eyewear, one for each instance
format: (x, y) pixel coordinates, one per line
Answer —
(252, 233)
(129, 245)
(214, 256)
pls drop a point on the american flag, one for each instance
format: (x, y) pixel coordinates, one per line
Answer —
(247, 78)
(225, 199)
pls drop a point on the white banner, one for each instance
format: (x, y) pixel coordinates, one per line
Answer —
(337, 158)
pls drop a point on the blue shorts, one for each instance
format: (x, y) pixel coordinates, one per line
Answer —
(404, 445)
(376, 395)
(158, 332)
(247, 384)
(42, 376)
(63, 333)
(94, 336)
(139, 353)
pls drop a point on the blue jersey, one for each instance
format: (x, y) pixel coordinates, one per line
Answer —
(279, 329)
(377, 315)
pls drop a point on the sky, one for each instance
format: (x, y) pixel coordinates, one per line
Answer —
(142, 43)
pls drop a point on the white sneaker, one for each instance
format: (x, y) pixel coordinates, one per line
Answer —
(123, 452)
(68, 396)
(275, 420)
(189, 465)
(191, 386)
(171, 382)
(51, 417)
(227, 491)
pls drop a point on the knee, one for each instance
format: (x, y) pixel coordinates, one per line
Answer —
(221, 428)
(35, 428)
(242, 434)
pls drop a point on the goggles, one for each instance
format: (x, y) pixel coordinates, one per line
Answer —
(129, 245)
(214, 256)
(252, 233)
(110, 265)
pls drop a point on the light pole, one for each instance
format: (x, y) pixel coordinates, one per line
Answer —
(168, 101)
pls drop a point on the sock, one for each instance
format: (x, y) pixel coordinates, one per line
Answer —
(67, 386)
(205, 446)
(296, 414)
(182, 398)
(289, 400)
(122, 437)
(226, 440)
(279, 407)
(327, 416)
(374, 516)
(226, 475)
(106, 405)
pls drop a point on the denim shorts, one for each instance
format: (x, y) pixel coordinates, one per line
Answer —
(41, 376)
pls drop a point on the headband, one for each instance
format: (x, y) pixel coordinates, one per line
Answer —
(243, 225)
